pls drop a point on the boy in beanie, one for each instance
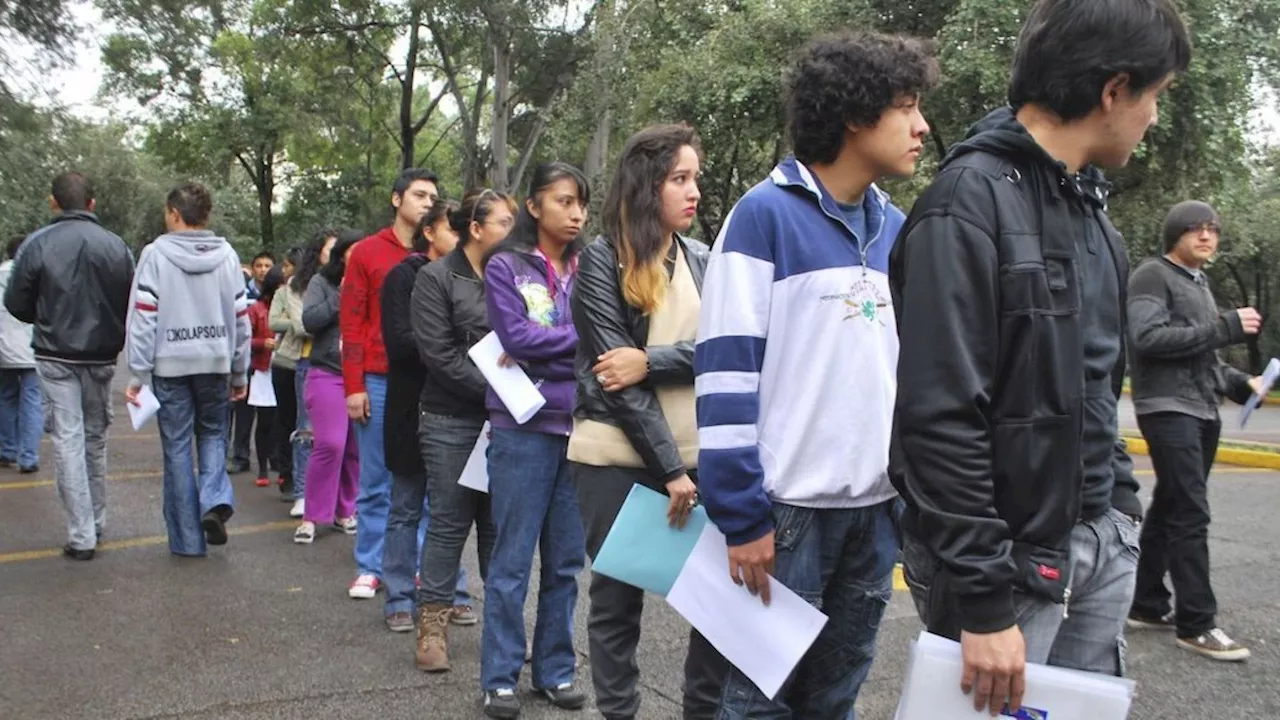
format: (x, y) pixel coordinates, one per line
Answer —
(1175, 332)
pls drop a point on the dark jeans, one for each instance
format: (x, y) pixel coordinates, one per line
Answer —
(284, 381)
(403, 552)
(446, 444)
(613, 625)
(240, 429)
(534, 506)
(1175, 532)
(193, 406)
(842, 561)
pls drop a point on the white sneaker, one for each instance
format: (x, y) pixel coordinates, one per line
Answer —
(365, 587)
(298, 509)
(346, 525)
(305, 534)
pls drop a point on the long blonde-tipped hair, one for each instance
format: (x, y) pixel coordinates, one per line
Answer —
(633, 207)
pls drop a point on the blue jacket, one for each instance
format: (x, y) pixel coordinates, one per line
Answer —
(796, 356)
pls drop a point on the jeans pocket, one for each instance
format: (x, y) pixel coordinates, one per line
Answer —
(1129, 532)
(789, 526)
(53, 370)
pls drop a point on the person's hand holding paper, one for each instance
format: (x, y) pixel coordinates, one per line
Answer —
(995, 666)
(752, 564)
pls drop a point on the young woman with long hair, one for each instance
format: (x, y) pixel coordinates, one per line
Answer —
(448, 316)
(291, 363)
(636, 312)
(333, 471)
(530, 281)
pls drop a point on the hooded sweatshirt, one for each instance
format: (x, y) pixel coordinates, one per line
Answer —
(188, 311)
(15, 335)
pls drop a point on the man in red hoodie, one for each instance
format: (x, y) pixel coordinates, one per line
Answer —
(364, 363)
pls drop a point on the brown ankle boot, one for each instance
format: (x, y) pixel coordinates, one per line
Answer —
(432, 654)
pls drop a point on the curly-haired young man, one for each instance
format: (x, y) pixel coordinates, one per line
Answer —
(1020, 534)
(795, 359)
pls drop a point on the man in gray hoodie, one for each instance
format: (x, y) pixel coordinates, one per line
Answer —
(189, 340)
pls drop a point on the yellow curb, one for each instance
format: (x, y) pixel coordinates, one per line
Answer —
(899, 580)
(28, 484)
(1227, 455)
(148, 541)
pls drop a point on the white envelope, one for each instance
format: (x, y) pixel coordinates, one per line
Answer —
(261, 392)
(146, 408)
(517, 391)
(476, 473)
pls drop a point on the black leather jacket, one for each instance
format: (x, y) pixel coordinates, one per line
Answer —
(72, 281)
(605, 320)
(448, 316)
(987, 443)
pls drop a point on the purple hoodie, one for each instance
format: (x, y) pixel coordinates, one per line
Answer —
(530, 312)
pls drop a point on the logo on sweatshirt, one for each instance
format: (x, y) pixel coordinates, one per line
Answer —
(864, 302)
(196, 332)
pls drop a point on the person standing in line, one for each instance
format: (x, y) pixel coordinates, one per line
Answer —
(529, 282)
(189, 340)
(289, 317)
(241, 424)
(21, 408)
(1009, 280)
(794, 363)
(284, 366)
(1176, 330)
(364, 364)
(634, 421)
(448, 316)
(407, 520)
(333, 469)
(264, 345)
(71, 282)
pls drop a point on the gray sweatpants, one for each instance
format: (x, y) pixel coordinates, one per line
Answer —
(77, 407)
(1088, 633)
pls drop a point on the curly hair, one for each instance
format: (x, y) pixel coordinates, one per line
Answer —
(851, 78)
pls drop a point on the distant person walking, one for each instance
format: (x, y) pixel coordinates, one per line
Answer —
(76, 344)
(21, 418)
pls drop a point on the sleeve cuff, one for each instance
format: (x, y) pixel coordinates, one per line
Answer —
(751, 534)
(987, 613)
(239, 380)
(1126, 501)
(140, 380)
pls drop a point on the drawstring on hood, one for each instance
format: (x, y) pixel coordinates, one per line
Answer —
(194, 251)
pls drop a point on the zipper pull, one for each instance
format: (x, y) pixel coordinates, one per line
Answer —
(1066, 603)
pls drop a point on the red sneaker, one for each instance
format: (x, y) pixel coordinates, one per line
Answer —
(263, 481)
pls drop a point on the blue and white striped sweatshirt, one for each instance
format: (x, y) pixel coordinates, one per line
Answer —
(796, 356)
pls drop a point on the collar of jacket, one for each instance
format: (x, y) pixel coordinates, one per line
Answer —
(459, 265)
(68, 215)
(791, 173)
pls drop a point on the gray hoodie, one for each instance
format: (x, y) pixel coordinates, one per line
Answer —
(188, 311)
(15, 335)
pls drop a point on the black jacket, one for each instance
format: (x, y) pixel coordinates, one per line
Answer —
(1176, 330)
(604, 321)
(71, 280)
(320, 306)
(990, 412)
(405, 372)
(448, 316)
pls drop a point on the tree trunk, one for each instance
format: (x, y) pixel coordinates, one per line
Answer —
(501, 42)
(408, 133)
(266, 187)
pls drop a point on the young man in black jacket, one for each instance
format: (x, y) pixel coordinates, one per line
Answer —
(1176, 330)
(1021, 536)
(71, 280)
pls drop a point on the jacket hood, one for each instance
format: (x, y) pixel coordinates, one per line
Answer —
(194, 251)
(1000, 134)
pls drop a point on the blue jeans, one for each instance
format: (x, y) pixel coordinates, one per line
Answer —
(193, 405)
(374, 501)
(302, 437)
(842, 561)
(21, 417)
(534, 503)
(406, 548)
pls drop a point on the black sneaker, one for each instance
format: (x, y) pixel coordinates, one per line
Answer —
(1168, 621)
(1215, 645)
(7, 463)
(214, 524)
(77, 553)
(501, 703)
(565, 696)
(29, 470)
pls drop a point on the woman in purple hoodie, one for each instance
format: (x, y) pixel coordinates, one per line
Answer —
(529, 280)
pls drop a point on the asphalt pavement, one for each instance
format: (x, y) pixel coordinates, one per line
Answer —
(263, 628)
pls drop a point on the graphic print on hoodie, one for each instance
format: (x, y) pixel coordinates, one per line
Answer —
(188, 311)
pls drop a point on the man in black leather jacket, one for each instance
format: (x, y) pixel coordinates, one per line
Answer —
(71, 280)
(1009, 281)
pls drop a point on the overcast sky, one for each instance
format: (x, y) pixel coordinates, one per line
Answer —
(76, 86)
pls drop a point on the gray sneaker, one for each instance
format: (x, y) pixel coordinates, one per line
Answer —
(400, 622)
(502, 703)
(1216, 645)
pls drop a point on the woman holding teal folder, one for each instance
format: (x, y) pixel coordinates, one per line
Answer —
(635, 308)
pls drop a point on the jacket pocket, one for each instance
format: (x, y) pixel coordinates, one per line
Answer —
(1035, 471)
(1042, 571)
(1032, 282)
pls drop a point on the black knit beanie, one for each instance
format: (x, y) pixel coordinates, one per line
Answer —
(1184, 216)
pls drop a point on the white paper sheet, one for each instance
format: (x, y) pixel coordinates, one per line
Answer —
(765, 643)
(1268, 381)
(476, 473)
(146, 408)
(261, 392)
(515, 388)
(932, 689)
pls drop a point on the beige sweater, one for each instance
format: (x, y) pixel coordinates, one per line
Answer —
(676, 320)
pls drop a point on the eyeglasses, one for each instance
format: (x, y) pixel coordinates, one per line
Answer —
(479, 201)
